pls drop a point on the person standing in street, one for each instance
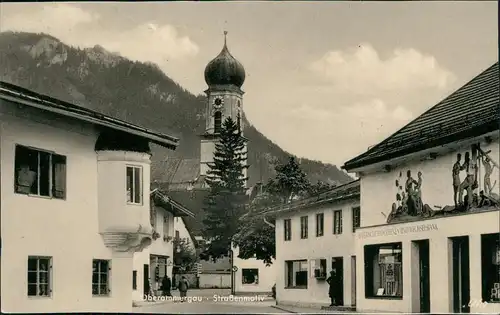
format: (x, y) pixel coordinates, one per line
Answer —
(166, 286)
(183, 288)
(332, 289)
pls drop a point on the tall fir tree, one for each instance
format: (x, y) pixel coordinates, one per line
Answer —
(226, 202)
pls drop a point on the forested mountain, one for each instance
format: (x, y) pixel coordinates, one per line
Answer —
(136, 92)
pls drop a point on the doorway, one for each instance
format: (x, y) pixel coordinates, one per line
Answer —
(424, 275)
(353, 281)
(460, 274)
(145, 279)
(338, 268)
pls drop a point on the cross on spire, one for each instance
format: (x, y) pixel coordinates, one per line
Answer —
(225, 38)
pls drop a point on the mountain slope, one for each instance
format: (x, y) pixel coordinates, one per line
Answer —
(136, 92)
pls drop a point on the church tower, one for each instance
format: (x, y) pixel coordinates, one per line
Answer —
(224, 76)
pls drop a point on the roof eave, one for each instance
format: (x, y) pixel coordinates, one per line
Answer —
(15, 94)
(354, 164)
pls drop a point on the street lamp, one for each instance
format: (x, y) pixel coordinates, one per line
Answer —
(231, 260)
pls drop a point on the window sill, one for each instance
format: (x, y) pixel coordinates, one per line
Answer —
(297, 287)
(101, 295)
(384, 297)
(249, 284)
(39, 297)
(40, 196)
(134, 204)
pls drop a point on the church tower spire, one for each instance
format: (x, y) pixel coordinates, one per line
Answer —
(224, 76)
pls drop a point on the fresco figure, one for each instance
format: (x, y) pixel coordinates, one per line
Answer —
(418, 194)
(488, 170)
(410, 193)
(456, 178)
(468, 181)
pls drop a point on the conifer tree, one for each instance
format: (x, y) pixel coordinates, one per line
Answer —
(226, 202)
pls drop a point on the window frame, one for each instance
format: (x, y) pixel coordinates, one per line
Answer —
(52, 157)
(166, 225)
(371, 259)
(132, 200)
(356, 218)
(38, 282)
(338, 231)
(320, 224)
(217, 122)
(304, 227)
(134, 280)
(99, 272)
(490, 245)
(293, 273)
(287, 227)
(255, 275)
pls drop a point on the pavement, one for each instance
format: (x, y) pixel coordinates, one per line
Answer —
(211, 301)
(305, 310)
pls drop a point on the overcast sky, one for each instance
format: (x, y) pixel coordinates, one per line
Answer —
(325, 80)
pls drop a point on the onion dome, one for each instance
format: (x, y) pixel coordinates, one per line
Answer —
(225, 69)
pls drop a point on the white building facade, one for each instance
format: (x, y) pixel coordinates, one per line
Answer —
(314, 237)
(72, 206)
(252, 275)
(153, 263)
(429, 240)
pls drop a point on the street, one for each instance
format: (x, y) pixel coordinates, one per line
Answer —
(211, 301)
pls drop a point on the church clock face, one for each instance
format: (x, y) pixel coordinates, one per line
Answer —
(218, 102)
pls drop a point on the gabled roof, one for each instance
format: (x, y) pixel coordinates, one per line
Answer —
(471, 111)
(176, 170)
(340, 193)
(24, 96)
(169, 204)
(194, 201)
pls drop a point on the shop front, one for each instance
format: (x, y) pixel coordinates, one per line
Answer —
(446, 264)
(159, 268)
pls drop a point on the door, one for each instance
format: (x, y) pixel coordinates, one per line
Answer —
(338, 268)
(145, 279)
(353, 281)
(425, 290)
(461, 274)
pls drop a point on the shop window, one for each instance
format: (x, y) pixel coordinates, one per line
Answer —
(490, 271)
(303, 227)
(250, 276)
(296, 274)
(383, 270)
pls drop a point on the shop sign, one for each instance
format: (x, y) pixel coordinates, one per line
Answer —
(398, 231)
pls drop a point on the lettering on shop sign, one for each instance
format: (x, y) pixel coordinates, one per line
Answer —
(399, 231)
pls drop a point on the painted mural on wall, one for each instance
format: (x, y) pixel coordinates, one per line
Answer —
(465, 180)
